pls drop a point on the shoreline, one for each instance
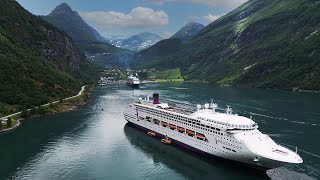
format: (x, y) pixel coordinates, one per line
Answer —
(17, 125)
(66, 105)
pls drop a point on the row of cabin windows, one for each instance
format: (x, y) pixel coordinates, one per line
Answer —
(177, 118)
(197, 125)
(229, 149)
(156, 121)
(162, 114)
(250, 127)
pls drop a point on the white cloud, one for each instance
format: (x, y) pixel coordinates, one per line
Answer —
(210, 17)
(139, 17)
(166, 34)
(214, 3)
(158, 2)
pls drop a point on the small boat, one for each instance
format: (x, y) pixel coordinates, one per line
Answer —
(172, 126)
(156, 121)
(151, 133)
(164, 124)
(201, 136)
(166, 141)
(180, 129)
(190, 133)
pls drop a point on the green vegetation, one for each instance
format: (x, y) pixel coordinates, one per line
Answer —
(268, 44)
(9, 124)
(61, 106)
(38, 62)
(115, 73)
(171, 75)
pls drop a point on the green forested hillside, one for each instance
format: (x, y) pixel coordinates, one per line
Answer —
(262, 43)
(38, 63)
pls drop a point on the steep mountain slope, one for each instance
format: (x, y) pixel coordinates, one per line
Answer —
(160, 56)
(38, 62)
(86, 36)
(262, 43)
(188, 31)
(137, 42)
(70, 21)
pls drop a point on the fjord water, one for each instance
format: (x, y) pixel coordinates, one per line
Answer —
(96, 143)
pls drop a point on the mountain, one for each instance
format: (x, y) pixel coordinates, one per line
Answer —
(188, 31)
(38, 62)
(89, 39)
(262, 43)
(71, 22)
(137, 42)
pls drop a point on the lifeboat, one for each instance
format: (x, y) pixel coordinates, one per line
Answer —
(201, 136)
(141, 118)
(180, 129)
(190, 133)
(172, 126)
(151, 133)
(156, 121)
(148, 119)
(166, 141)
(164, 124)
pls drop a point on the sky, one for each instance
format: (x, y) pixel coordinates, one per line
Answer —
(129, 17)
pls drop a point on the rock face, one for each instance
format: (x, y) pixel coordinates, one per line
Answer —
(38, 62)
(68, 51)
(86, 37)
(137, 42)
(188, 31)
(267, 44)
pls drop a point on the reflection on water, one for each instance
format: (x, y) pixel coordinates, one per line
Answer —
(95, 142)
(191, 165)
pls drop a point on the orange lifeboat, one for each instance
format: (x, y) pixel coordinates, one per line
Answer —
(190, 133)
(164, 124)
(151, 133)
(201, 136)
(166, 141)
(180, 129)
(172, 126)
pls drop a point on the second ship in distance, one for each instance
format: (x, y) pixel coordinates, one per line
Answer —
(133, 81)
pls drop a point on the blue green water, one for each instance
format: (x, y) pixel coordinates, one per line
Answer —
(92, 143)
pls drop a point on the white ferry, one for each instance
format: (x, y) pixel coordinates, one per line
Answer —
(133, 81)
(207, 131)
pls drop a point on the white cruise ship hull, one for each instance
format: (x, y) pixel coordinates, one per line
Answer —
(193, 144)
(210, 133)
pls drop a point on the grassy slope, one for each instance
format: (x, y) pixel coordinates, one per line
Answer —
(278, 39)
(29, 76)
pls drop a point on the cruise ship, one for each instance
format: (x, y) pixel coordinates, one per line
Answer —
(133, 81)
(209, 131)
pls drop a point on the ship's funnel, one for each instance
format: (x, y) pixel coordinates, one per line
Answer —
(156, 98)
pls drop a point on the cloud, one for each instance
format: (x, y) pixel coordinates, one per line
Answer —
(213, 3)
(166, 34)
(158, 2)
(210, 17)
(139, 17)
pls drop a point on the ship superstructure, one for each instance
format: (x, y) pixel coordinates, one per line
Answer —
(133, 81)
(207, 131)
